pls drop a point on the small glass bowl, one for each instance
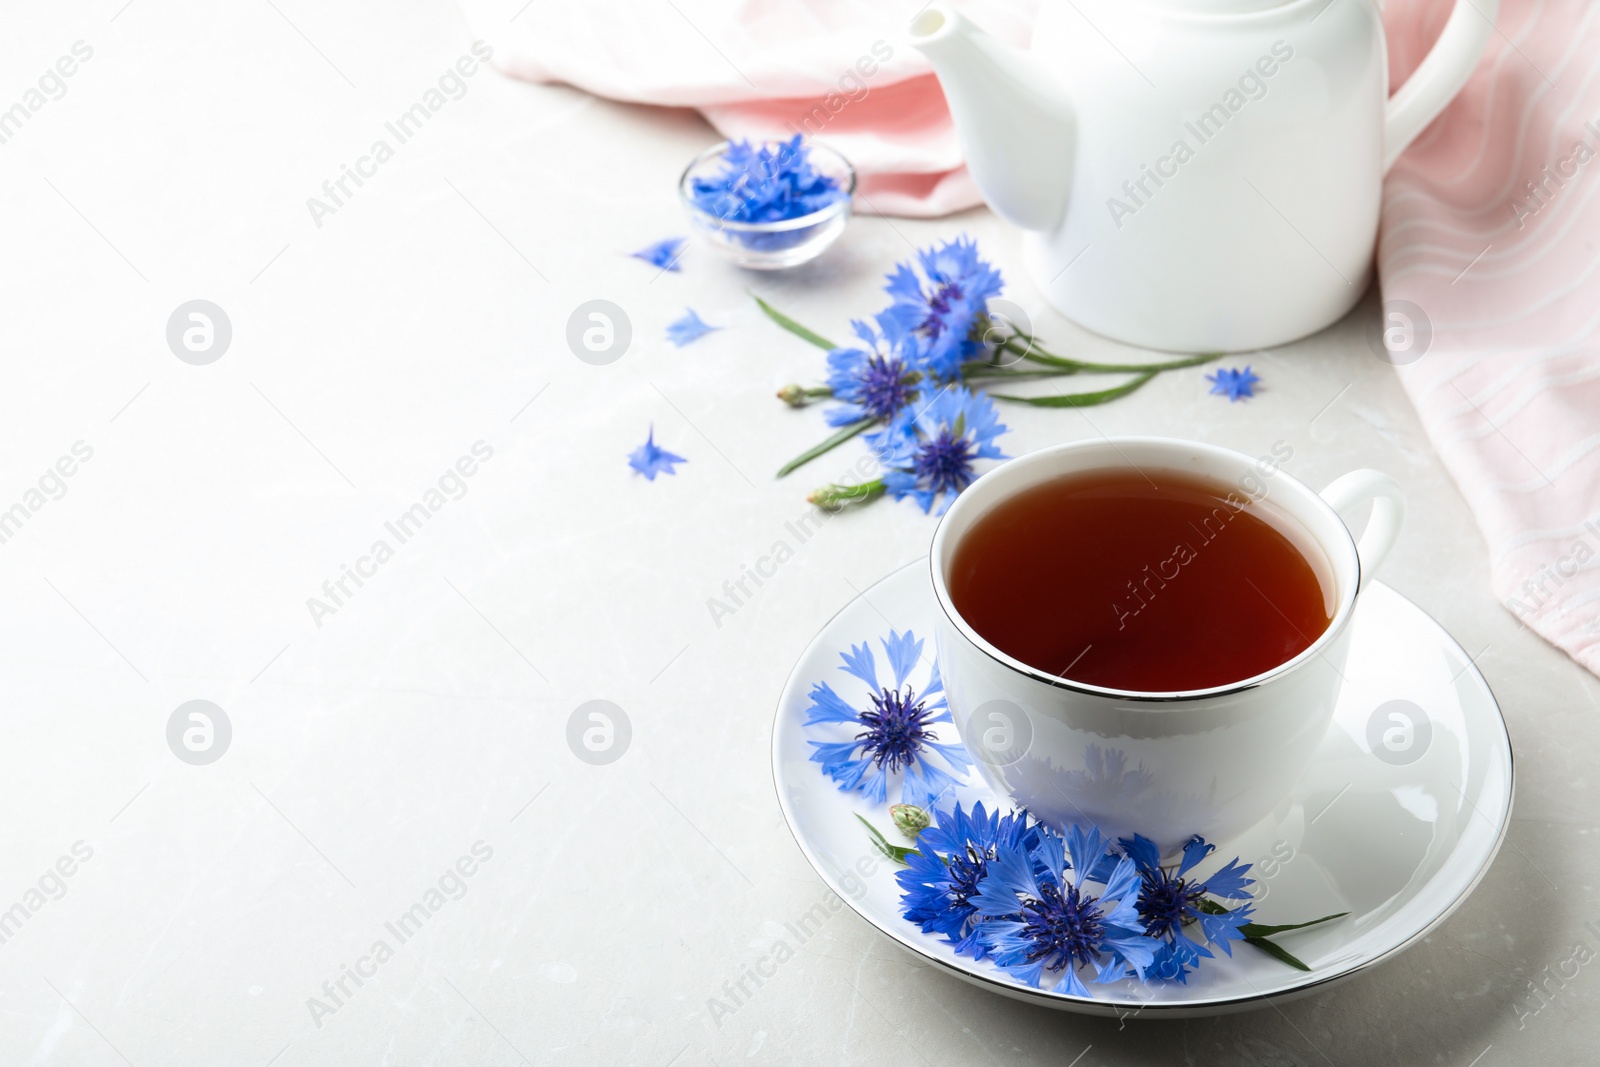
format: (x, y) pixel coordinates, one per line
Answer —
(771, 245)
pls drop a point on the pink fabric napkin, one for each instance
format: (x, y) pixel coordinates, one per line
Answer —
(1490, 238)
(838, 70)
(1491, 227)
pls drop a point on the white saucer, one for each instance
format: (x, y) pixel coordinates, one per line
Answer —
(1397, 839)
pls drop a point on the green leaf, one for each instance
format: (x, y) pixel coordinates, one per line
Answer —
(1277, 952)
(1257, 934)
(1079, 400)
(1257, 930)
(827, 446)
(895, 853)
(792, 326)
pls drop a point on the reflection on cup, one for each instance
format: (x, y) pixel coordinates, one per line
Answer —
(1001, 733)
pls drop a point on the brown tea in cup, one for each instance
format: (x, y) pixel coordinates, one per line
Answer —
(1150, 581)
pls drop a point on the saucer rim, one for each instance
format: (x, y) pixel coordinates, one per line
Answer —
(1089, 1005)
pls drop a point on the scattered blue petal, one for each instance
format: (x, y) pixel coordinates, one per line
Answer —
(650, 459)
(689, 328)
(663, 254)
(1233, 383)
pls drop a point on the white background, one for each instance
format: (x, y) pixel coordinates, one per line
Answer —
(372, 752)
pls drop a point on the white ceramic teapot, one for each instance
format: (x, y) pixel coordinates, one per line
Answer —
(1194, 175)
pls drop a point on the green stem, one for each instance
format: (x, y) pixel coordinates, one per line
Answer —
(1025, 346)
(799, 396)
(1080, 400)
(835, 497)
(897, 853)
(987, 371)
(831, 443)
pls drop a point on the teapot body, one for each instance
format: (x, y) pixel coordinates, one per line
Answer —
(1228, 171)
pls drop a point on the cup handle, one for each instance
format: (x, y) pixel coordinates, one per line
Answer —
(1388, 514)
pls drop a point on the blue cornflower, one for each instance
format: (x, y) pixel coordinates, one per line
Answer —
(663, 254)
(895, 733)
(928, 450)
(876, 378)
(766, 183)
(1233, 383)
(649, 459)
(1038, 914)
(1169, 901)
(943, 313)
(689, 328)
(952, 856)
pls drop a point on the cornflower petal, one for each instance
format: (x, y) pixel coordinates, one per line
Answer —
(903, 651)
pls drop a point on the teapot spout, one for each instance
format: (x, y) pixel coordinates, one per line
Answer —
(1016, 126)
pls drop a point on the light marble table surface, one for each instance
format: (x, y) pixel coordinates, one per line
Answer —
(420, 728)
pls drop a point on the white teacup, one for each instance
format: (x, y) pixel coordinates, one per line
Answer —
(1173, 764)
